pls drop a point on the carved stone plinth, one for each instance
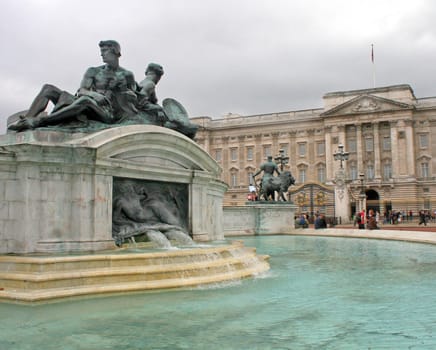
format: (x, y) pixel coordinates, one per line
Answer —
(342, 197)
(56, 189)
(259, 218)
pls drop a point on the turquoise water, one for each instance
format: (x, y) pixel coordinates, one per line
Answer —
(321, 293)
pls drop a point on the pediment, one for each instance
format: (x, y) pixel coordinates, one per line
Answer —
(366, 104)
(424, 158)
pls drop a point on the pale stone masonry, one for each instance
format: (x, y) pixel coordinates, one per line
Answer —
(387, 131)
(56, 189)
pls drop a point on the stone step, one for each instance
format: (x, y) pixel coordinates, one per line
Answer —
(65, 279)
(30, 296)
(119, 259)
(44, 278)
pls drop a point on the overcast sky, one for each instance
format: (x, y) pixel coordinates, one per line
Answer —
(220, 56)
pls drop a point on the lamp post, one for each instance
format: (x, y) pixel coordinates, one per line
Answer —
(341, 155)
(281, 159)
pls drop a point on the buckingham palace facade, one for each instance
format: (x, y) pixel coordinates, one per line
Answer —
(386, 131)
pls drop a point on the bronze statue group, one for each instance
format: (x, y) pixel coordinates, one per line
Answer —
(108, 96)
(271, 184)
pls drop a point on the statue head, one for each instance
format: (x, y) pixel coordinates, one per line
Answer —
(155, 68)
(112, 45)
(269, 158)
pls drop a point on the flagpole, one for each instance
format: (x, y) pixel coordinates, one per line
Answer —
(373, 65)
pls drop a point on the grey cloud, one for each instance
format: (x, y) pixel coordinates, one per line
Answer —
(222, 56)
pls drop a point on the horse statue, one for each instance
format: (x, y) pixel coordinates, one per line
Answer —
(279, 184)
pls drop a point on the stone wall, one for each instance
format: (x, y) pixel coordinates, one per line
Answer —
(259, 218)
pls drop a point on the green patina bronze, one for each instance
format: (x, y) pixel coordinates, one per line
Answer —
(108, 97)
(270, 184)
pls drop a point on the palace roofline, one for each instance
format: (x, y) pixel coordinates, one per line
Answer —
(235, 119)
(371, 90)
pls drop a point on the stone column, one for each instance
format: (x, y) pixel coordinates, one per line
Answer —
(328, 154)
(275, 144)
(311, 145)
(206, 144)
(341, 130)
(394, 150)
(225, 158)
(292, 153)
(376, 140)
(243, 177)
(410, 148)
(258, 155)
(360, 150)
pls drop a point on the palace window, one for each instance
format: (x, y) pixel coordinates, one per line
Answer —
(424, 170)
(320, 148)
(370, 172)
(321, 173)
(302, 149)
(234, 154)
(249, 153)
(423, 141)
(353, 172)
(234, 180)
(218, 155)
(369, 144)
(250, 178)
(352, 145)
(386, 143)
(302, 176)
(387, 171)
(266, 151)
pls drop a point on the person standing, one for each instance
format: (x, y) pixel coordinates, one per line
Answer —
(361, 220)
(371, 223)
(422, 218)
(320, 222)
(377, 217)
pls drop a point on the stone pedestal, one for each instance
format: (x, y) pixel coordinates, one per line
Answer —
(259, 218)
(56, 188)
(342, 197)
